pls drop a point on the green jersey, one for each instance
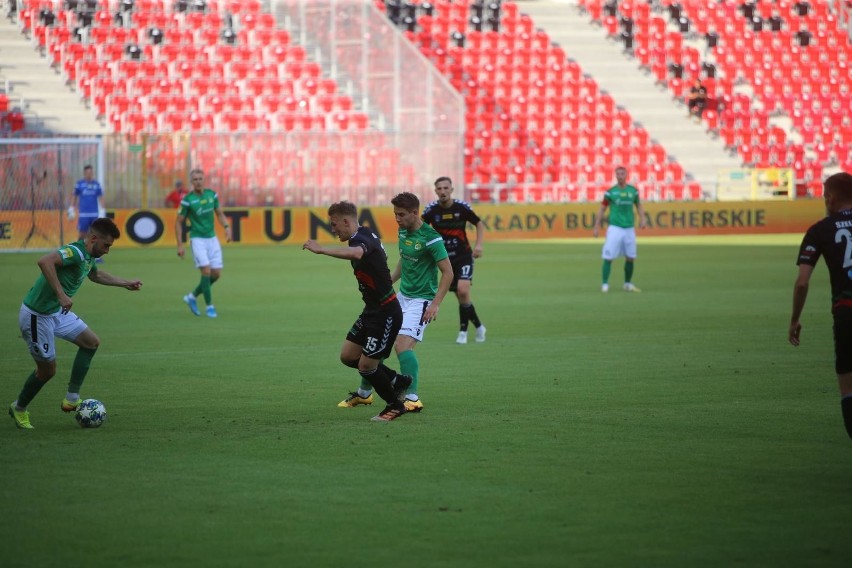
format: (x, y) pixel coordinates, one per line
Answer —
(621, 201)
(419, 253)
(77, 263)
(200, 210)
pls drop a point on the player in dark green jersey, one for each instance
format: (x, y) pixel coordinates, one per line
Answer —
(201, 207)
(46, 314)
(621, 232)
(422, 255)
(371, 338)
(831, 239)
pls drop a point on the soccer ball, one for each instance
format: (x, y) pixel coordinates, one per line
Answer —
(91, 413)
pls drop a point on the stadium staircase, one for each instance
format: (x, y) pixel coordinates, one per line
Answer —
(662, 115)
(774, 103)
(782, 100)
(539, 128)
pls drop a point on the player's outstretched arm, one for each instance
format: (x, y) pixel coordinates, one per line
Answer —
(346, 253)
(107, 279)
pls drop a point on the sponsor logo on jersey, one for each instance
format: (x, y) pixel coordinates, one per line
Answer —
(66, 253)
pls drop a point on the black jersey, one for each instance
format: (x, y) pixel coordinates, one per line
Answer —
(371, 270)
(832, 238)
(451, 223)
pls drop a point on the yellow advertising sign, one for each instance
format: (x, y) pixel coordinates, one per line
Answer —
(277, 225)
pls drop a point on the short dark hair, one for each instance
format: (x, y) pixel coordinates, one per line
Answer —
(840, 185)
(443, 178)
(343, 208)
(104, 226)
(406, 200)
(87, 167)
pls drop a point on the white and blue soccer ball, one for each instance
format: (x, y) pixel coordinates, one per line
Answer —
(91, 413)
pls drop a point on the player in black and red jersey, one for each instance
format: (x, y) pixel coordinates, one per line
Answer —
(831, 238)
(450, 217)
(371, 338)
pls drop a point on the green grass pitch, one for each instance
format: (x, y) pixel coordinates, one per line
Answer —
(675, 427)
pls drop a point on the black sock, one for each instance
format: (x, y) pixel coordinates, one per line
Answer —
(464, 317)
(473, 317)
(381, 384)
(846, 407)
(387, 371)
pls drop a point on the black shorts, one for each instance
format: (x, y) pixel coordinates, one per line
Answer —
(843, 340)
(375, 330)
(462, 270)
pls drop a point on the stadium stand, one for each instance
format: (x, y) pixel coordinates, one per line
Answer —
(764, 63)
(214, 67)
(538, 127)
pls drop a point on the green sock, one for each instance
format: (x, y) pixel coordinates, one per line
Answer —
(628, 271)
(199, 290)
(30, 390)
(408, 365)
(607, 268)
(80, 368)
(205, 289)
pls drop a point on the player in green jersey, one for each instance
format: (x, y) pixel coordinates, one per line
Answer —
(621, 233)
(46, 314)
(201, 207)
(421, 255)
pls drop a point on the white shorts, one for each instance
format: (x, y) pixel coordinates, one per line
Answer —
(412, 316)
(619, 242)
(206, 252)
(40, 331)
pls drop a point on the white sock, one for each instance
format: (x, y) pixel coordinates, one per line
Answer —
(364, 393)
(412, 397)
(72, 396)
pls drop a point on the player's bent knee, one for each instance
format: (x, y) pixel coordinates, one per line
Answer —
(365, 364)
(88, 340)
(353, 363)
(45, 370)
